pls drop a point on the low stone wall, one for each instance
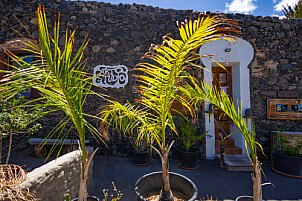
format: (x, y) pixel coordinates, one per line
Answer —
(57, 178)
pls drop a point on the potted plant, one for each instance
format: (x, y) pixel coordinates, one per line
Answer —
(188, 153)
(140, 148)
(58, 75)
(140, 151)
(159, 88)
(287, 156)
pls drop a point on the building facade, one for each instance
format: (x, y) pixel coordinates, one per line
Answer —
(265, 63)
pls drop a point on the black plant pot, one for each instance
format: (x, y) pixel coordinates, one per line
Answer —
(140, 158)
(89, 198)
(188, 159)
(153, 183)
(287, 165)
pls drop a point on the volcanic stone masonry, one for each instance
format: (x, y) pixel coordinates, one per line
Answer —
(121, 34)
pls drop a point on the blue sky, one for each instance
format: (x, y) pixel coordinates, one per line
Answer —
(254, 7)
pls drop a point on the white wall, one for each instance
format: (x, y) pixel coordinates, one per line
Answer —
(239, 57)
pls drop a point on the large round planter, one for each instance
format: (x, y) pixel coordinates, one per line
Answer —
(89, 198)
(140, 158)
(153, 182)
(188, 159)
(244, 198)
(287, 165)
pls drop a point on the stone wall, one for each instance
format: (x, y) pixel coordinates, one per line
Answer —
(276, 67)
(57, 178)
(121, 34)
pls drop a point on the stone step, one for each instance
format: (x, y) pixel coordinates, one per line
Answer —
(235, 162)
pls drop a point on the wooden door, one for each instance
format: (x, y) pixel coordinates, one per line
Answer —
(2, 65)
(222, 80)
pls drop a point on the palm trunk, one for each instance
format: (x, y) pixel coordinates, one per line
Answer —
(84, 175)
(10, 145)
(83, 184)
(256, 176)
(166, 193)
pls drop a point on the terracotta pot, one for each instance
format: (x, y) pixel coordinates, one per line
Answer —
(152, 182)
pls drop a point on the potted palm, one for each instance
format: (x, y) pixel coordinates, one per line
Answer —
(140, 151)
(140, 147)
(159, 89)
(188, 153)
(59, 77)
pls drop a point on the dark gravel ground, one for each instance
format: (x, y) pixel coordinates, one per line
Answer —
(27, 160)
(210, 179)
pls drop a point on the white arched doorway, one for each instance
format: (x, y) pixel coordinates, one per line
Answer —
(238, 56)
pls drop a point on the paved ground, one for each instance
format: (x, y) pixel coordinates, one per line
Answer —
(209, 178)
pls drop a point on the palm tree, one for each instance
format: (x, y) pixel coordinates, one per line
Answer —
(159, 87)
(293, 12)
(199, 93)
(58, 75)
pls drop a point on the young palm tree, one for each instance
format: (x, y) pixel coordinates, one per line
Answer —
(58, 75)
(199, 93)
(159, 87)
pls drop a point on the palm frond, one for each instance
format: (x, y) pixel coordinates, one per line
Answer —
(293, 11)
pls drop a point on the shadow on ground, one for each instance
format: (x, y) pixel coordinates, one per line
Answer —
(210, 179)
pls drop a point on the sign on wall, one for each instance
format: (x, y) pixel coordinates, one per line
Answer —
(110, 76)
(285, 109)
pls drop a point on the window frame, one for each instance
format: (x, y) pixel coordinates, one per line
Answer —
(5, 58)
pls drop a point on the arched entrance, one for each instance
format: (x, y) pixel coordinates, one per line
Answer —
(236, 56)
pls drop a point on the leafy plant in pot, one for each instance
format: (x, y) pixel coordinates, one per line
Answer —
(140, 150)
(58, 75)
(188, 152)
(287, 156)
(159, 88)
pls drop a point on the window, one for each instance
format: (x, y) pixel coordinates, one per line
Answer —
(29, 58)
